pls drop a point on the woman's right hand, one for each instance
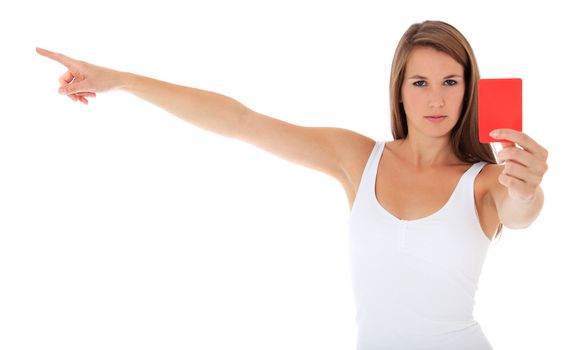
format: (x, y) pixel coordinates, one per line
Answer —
(83, 79)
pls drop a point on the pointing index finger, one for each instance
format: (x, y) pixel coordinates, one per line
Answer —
(64, 60)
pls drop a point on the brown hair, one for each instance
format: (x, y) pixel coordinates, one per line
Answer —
(445, 38)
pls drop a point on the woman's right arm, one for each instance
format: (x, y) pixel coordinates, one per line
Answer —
(206, 109)
(326, 149)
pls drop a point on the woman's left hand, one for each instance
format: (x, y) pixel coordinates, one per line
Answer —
(523, 167)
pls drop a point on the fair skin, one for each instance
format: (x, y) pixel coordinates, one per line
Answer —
(510, 193)
(433, 85)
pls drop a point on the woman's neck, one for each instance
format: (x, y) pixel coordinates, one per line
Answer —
(426, 153)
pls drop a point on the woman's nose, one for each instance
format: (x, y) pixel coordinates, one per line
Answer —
(436, 99)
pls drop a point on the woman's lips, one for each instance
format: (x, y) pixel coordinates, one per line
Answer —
(435, 118)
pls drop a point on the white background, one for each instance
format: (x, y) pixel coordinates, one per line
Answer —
(124, 227)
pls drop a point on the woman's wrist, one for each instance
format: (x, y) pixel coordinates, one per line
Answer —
(125, 81)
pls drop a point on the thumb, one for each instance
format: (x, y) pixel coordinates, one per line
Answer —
(74, 88)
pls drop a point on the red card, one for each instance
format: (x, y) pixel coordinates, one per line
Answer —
(499, 106)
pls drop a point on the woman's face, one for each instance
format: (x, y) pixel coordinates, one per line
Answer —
(432, 92)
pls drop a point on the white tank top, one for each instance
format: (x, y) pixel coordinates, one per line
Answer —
(415, 280)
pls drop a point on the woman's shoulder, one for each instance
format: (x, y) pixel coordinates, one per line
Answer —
(355, 149)
(490, 170)
(487, 179)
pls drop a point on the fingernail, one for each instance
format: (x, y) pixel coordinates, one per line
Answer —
(494, 133)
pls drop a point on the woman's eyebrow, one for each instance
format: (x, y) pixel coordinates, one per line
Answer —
(447, 77)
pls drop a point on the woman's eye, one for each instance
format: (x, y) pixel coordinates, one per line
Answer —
(421, 83)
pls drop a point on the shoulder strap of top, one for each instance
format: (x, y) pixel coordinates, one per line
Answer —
(463, 194)
(464, 202)
(369, 172)
(476, 168)
(468, 179)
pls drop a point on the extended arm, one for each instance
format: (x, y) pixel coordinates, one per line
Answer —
(320, 148)
(208, 110)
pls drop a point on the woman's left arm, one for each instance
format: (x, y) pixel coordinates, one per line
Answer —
(517, 193)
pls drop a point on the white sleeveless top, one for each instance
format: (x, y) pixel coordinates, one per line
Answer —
(414, 280)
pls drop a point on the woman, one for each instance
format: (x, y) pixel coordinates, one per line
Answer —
(424, 207)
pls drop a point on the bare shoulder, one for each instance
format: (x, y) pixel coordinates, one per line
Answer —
(487, 185)
(487, 188)
(489, 175)
(354, 149)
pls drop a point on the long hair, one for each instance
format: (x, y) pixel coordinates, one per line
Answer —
(443, 37)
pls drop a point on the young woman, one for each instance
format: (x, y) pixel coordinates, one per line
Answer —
(423, 207)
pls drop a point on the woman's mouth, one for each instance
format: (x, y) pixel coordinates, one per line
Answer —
(435, 118)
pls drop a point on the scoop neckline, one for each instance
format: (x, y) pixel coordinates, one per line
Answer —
(435, 213)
